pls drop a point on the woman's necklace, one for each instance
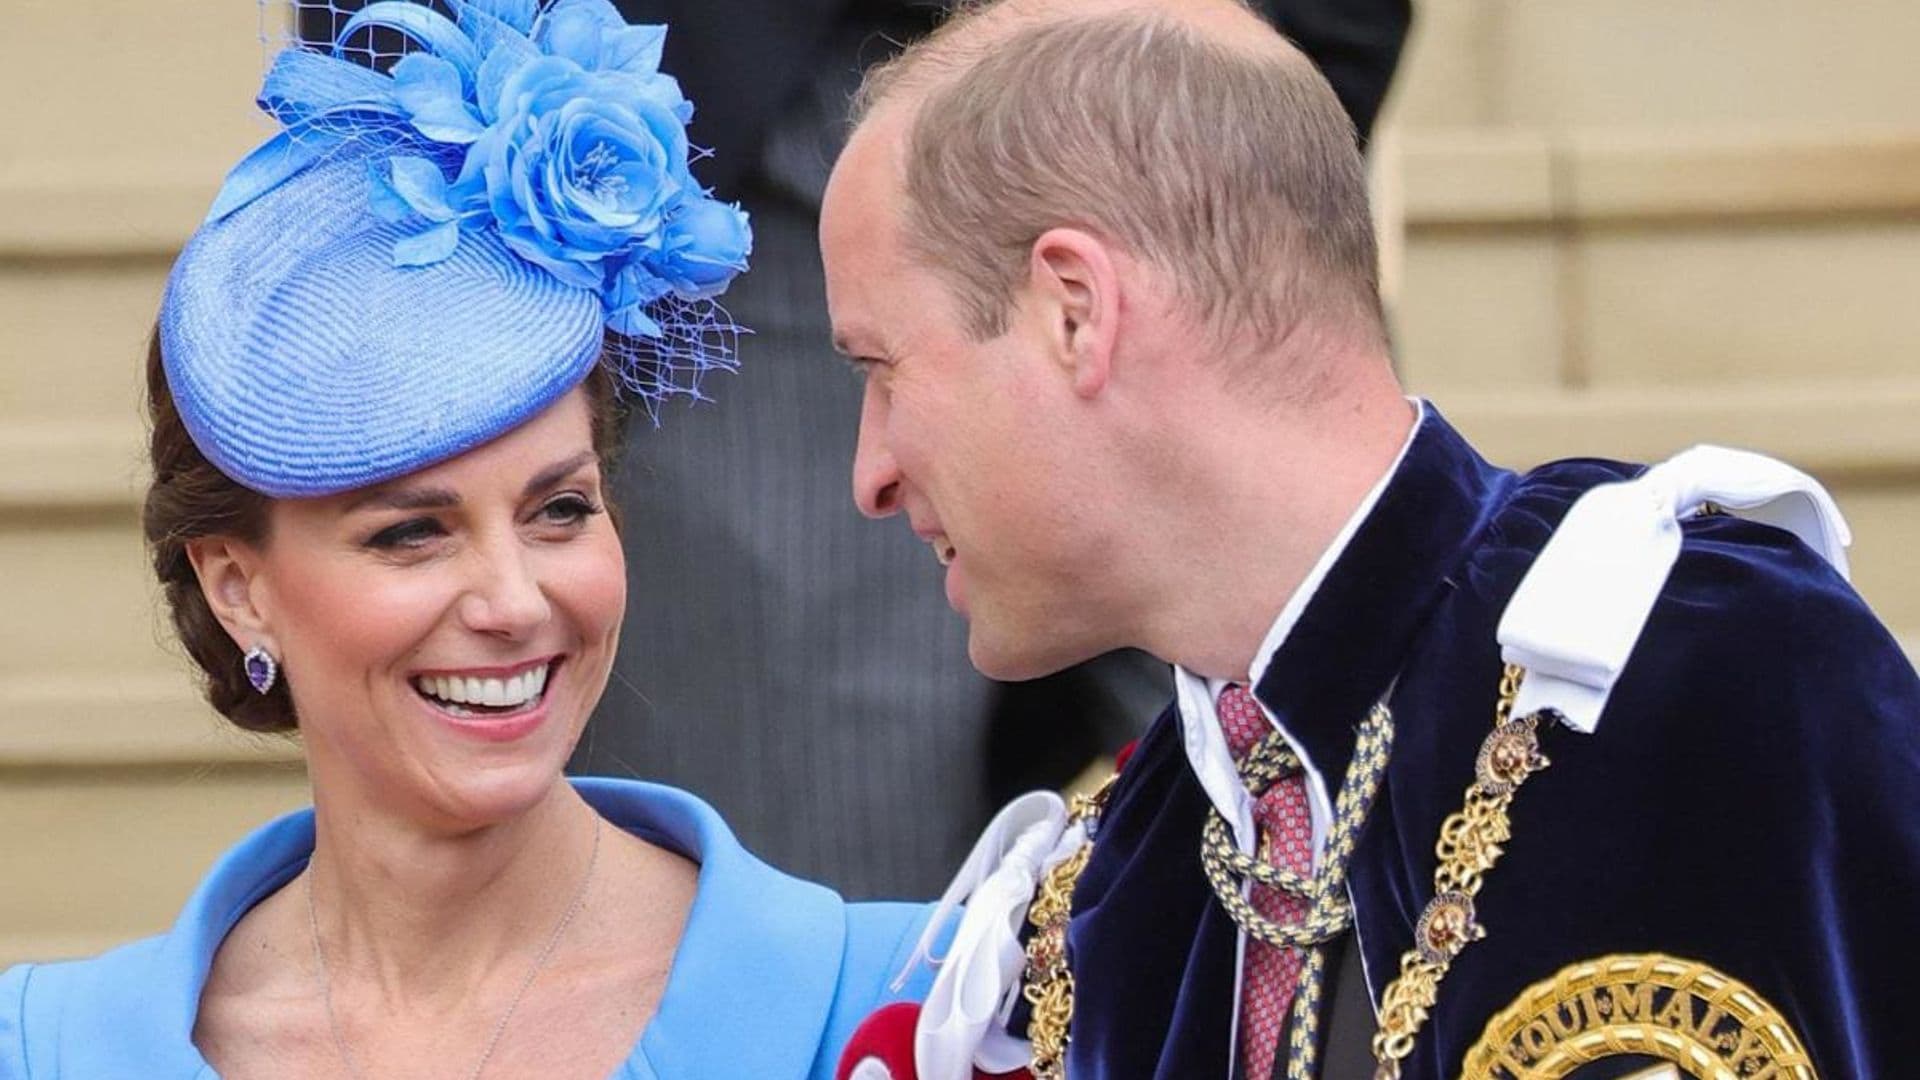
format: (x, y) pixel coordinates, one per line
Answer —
(499, 1027)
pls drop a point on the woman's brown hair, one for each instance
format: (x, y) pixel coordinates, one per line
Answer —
(188, 498)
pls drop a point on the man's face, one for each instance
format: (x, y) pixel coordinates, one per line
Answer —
(975, 442)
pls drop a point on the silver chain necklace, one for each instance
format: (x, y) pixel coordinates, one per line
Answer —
(499, 1027)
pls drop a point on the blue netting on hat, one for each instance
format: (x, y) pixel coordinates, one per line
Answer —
(544, 124)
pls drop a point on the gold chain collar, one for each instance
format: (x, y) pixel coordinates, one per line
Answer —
(1470, 843)
(1049, 983)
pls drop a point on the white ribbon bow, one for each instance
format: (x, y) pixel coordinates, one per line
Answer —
(963, 1021)
(1580, 609)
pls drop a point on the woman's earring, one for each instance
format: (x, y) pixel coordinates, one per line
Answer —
(262, 669)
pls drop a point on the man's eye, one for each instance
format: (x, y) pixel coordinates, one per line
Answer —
(411, 533)
(569, 509)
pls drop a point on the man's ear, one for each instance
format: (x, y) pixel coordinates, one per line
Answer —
(229, 573)
(1076, 283)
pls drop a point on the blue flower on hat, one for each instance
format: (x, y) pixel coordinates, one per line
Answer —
(575, 172)
(706, 244)
(554, 127)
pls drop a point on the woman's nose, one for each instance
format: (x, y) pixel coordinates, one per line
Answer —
(506, 597)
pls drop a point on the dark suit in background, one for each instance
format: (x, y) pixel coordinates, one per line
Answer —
(784, 658)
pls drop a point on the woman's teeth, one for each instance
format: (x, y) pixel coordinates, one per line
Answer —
(454, 691)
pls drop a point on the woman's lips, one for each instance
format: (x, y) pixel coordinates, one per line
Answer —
(498, 707)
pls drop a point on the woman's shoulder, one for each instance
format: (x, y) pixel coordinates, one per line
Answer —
(34, 988)
(876, 932)
(882, 937)
(883, 962)
(135, 1003)
(870, 936)
(105, 1003)
(795, 963)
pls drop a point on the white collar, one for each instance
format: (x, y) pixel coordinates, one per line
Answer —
(1197, 698)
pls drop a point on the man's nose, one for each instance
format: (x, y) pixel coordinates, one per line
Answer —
(876, 476)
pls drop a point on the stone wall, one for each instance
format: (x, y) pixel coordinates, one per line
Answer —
(1623, 228)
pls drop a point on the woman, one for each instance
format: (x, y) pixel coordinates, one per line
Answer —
(383, 394)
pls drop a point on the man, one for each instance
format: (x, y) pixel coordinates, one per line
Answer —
(772, 638)
(1108, 269)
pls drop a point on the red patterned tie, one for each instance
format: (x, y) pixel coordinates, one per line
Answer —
(1286, 840)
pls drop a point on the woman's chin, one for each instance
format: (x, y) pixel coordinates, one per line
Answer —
(487, 768)
(477, 797)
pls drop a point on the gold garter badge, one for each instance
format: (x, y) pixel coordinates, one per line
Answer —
(1706, 1024)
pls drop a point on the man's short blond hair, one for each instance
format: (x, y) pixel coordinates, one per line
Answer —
(1228, 165)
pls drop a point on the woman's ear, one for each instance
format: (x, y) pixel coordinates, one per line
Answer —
(229, 573)
(1073, 276)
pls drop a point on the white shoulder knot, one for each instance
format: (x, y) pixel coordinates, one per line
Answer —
(963, 1022)
(1581, 607)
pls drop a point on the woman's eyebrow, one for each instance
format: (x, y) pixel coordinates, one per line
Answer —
(437, 498)
(556, 472)
(411, 498)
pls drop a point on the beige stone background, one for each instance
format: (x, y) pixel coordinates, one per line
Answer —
(1612, 227)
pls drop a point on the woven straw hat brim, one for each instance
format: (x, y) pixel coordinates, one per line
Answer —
(304, 363)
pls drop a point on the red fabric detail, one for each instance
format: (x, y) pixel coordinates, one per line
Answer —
(1125, 754)
(886, 1034)
(1286, 839)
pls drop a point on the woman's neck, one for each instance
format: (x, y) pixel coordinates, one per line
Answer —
(424, 916)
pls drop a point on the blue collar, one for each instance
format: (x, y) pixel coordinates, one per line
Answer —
(749, 993)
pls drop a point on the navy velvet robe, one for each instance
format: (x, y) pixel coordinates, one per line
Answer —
(1750, 800)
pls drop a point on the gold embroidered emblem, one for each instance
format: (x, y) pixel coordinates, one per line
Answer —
(1707, 1024)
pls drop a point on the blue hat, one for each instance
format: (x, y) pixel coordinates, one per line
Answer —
(423, 259)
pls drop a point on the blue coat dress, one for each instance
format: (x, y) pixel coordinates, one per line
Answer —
(771, 976)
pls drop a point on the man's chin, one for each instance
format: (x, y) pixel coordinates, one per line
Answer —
(1017, 659)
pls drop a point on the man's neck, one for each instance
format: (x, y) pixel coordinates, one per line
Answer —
(1262, 501)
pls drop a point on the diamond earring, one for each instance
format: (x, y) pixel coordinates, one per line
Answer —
(262, 669)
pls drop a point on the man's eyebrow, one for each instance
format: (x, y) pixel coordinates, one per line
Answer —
(553, 474)
(856, 340)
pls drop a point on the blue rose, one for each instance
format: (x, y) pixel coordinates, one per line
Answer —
(556, 127)
(706, 244)
(580, 167)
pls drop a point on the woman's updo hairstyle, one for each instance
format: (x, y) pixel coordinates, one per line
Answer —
(188, 498)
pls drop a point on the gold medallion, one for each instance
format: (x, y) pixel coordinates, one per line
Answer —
(1710, 1026)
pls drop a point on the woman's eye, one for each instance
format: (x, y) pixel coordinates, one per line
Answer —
(569, 509)
(411, 533)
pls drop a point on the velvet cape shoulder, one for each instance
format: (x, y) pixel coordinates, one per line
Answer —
(1750, 799)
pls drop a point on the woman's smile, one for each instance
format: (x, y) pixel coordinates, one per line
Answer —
(497, 704)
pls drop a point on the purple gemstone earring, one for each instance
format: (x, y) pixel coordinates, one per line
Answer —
(262, 669)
